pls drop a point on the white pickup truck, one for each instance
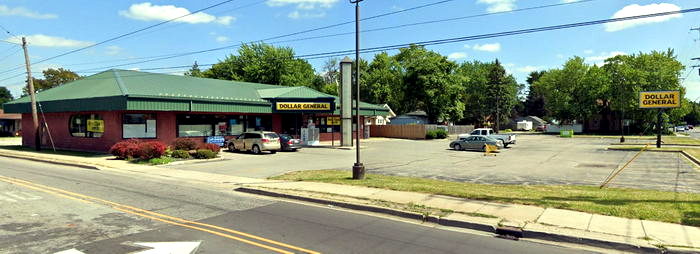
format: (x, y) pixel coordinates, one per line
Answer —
(507, 139)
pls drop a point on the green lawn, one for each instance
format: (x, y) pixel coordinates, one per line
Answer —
(50, 151)
(683, 208)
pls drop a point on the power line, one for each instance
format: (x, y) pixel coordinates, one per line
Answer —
(477, 37)
(239, 44)
(11, 54)
(132, 32)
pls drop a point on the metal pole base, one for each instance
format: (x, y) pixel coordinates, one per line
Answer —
(622, 139)
(358, 171)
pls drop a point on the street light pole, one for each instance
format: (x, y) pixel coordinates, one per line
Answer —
(358, 170)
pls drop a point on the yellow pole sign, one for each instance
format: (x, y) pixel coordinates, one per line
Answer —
(660, 99)
(96, 125)
(333, 120)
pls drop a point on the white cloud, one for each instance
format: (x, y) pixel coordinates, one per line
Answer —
(457, 56)
(41, 40)
(303, 4)
(600, 59)
(222, 38)
(304, 8)
(148, 12)
(636, 10)
(569, 1)
(490, 47)
(560, 56)
(498, 5)
(529, 68)
(24, 12)
(588, 51)
(113, 50)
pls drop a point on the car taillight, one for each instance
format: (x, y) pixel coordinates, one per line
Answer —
(290, 142)
(265, 140)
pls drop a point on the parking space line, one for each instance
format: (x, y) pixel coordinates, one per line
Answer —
(155, 216)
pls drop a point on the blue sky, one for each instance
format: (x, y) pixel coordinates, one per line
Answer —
(54, 27)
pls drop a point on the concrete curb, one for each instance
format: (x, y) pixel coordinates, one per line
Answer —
(483, 227)
(194, 161)
(52, 161)
(696, 161)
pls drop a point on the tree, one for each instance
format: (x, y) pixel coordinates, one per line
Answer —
(383, 82)
(5, 95)
(501, 92)
(263, 63)
(430, 84)
(534, 102)
(194, 71)
(52, 78)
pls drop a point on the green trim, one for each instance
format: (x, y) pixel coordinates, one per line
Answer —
(73, 105)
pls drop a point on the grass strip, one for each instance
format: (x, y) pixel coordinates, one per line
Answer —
(681, 208)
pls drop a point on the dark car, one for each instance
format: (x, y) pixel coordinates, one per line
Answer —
(289, 143)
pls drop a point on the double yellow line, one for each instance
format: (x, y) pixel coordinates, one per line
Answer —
(208, 228)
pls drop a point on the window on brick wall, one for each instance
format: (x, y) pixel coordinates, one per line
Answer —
(86, 126)
(139, 126)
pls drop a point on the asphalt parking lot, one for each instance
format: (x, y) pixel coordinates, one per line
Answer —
(534, 160)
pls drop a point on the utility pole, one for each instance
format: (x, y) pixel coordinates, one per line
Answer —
(32, 96)
(358, 170)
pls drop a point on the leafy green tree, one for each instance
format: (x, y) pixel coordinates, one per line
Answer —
(383, 82)
(5, 95)
(475, 82)
(52, 78)
(263, 63)
(534, 102)
(430, 84)
(501, 92)
(194, 71)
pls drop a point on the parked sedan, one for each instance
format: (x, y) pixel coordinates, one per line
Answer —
(289, 143)
(475, 142)
(255, 142)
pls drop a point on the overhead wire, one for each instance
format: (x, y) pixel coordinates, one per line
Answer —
(477, 37)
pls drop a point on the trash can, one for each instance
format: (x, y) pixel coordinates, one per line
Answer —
(566, 133)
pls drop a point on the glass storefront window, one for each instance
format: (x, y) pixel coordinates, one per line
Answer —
(78, 126)
(216, 125)
(139, 126)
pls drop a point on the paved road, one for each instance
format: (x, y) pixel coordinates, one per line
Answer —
(49, 208)
(536, 159)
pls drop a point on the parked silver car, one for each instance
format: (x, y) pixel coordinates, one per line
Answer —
(255, 142)
(475, 142)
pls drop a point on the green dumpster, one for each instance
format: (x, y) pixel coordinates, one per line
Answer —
(566, 133)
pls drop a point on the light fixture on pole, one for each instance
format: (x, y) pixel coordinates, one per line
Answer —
(358, 170)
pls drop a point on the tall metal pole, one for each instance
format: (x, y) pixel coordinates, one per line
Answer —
(32, 96)
(358, 170)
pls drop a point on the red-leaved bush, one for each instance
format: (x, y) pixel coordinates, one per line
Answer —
(151, 149)
(126, 149)
(184, 144)
(207, 146)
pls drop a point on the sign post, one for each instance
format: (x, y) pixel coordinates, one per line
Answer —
(659, 100)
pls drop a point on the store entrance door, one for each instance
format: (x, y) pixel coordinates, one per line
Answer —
(291, 124)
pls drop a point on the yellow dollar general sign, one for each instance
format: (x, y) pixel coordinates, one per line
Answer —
(333, 120)
(660, 99)
(96, 125)
(303, 106)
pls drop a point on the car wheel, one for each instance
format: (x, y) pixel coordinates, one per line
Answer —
(505, 145)
(294, 150)
(273, 152)
(256, 149)
(458, 147)
(231, 148)
(484, 148)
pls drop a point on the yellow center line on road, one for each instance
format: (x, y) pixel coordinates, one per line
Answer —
(164, 218)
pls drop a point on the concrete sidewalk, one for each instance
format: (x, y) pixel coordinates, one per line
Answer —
(531, 221)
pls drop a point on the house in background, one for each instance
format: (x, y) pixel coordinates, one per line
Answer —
(382, 119)
(415, 117)
(536, 121)
(10, 124)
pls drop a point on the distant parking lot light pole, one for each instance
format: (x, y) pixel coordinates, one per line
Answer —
(358, 170)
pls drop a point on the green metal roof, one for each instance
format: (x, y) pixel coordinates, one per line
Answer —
(133, 90)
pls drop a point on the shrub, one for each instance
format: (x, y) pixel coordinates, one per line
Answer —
(184, 144)
(440, 134)
(507, 130)
(205, 154)
(126, 149)
(181, 154)
(160, 161)
(150, 150)
(207, 146)
(430, 135)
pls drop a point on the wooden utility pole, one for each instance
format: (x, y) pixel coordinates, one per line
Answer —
(32, 96)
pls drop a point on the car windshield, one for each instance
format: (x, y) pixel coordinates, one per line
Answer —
(271, 135)
(286, 136)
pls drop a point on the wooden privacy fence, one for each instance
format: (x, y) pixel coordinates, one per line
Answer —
(414, 131)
